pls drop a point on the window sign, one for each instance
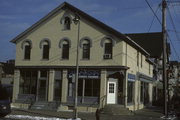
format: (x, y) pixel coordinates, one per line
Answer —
(93, 74)
(131, 77)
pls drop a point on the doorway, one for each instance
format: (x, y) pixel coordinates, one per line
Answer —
(42, 86)
(112, 91)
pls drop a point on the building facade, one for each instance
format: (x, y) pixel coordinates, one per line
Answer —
(113, 69)
(7, 72)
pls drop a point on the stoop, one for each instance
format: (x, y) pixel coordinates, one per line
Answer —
(116, 110)
(44, 106)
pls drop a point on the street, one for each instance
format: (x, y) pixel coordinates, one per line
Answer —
(144, 114)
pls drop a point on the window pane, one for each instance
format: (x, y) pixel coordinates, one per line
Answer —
(130, 91)
(80, 87)
(28, 82)
(67, 23)
(111, 88)
(108, 51)
(108, 48)
(65, 51)
(57, 90)
(86, 51)
(45, 51)
(43, 73)
(88, 87)
(27, 52)
(92, 87)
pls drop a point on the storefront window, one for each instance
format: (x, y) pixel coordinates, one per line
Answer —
(144, 92)
(130, 91)
(28, 82)
(88, 86)
(91, 87)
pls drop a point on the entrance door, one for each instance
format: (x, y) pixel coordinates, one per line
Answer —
(42, 90)
(112, 91)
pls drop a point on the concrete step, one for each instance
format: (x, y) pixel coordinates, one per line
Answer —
(44, 106)
(116, 110)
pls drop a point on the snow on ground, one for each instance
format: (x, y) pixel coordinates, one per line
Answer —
(27, 117)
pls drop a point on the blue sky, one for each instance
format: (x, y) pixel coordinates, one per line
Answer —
(126, 16)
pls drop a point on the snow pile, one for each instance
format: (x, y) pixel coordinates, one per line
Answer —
(27, 117)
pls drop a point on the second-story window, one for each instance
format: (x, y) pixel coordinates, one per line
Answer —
(27, 52)
(26, 46)
(45, 51)
(67, 23)
(86, 50)
(108, 49)
(65, 50)
(45, 46)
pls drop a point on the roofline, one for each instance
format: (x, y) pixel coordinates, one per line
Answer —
(38, 23)
(143, 33)
(80, 12)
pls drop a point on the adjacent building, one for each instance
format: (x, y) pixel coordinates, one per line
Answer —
(173, 78)
(113, 69)
(7, 72)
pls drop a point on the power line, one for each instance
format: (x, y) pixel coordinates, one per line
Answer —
(173, 47)
(178, 32)
(172, 22)
(153, 12)
(153, 19)
(176, 14)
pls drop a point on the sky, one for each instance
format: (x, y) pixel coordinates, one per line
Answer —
(126, 16)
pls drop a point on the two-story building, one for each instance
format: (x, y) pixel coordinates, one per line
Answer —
(113, 69)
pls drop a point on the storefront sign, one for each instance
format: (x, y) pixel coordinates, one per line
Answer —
(131, 77)
(92, 74)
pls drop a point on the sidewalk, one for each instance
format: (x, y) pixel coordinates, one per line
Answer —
(153, 113)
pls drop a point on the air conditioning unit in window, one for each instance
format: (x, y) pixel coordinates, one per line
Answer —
(107, 56)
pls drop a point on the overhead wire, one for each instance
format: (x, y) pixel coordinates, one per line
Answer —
(153, 12)
(172, 22)
(153, 18)
(155, 15)
(176, 14)
(173, 46)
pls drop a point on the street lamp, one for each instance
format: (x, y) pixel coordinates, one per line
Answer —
(76, 21)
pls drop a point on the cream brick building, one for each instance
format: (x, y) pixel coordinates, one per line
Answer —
(112, 68)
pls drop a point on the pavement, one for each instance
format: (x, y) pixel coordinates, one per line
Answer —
(153, 113)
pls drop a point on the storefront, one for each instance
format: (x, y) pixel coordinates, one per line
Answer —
(146, 88)
(35, 84)
(88, 86)
(96, 87)
(130, 88)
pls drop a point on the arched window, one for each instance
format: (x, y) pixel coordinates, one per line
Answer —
(27, 45)
(108, 42)
(45, 45)
(85, 49)
(67, 23)
(108, 49)
(65, 50)
(65, 44)
(86, 44)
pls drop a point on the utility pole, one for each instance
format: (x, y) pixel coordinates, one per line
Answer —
(76, 21)
(164, 5)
